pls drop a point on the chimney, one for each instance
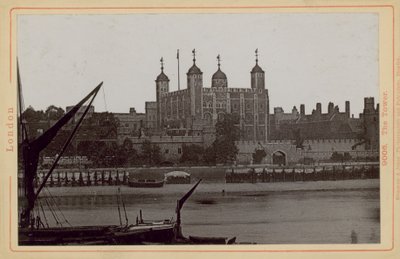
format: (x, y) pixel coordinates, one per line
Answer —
(330, 107)
(369, 104)
(347, 109)
(132, 110)
(319, 108)
(302, 110)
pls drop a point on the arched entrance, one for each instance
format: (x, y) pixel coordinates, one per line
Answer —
(279, 158)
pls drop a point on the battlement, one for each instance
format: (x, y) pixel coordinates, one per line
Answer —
(229, 90)
(168, 139)
(175, 93)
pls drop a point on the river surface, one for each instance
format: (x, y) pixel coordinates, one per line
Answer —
(265, 213)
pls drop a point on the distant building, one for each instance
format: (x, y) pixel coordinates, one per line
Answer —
(328, 126)
(130, 124)
(80, 112)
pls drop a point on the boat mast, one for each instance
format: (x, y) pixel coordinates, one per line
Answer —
(31, 150)
(179, 205)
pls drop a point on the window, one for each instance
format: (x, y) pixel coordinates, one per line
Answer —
(166, 151)
(179, 150)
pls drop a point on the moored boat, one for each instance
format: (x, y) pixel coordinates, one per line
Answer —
(177, 177)
(146, 183)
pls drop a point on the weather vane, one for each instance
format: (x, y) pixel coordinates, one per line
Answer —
(194, 55)
(162, 63)
(219, 59)
(256, 55)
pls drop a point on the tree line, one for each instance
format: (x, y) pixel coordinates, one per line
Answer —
(97, 140)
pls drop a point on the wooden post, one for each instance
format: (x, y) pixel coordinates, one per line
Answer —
(110, 181)
(89, 181)
(124, 180)
(80, 179)
(117, 179)
(58, 179)
(314, 174)
(273, 175)
(263, 175)
(73, 182)
(51, 180)
(66, 178)
(294, 175)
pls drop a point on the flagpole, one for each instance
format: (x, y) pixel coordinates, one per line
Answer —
(179, 81)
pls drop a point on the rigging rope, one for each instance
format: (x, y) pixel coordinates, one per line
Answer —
(44, 214)
(119, 211)
(57, 207)
(52, 212)
(104, 97)
(123, 205)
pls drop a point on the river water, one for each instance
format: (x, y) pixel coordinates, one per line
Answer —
(265, 213)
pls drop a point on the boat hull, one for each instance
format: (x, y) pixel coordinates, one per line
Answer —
(146, 184)
(98, 235)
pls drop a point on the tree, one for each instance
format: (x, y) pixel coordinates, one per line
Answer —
(258, 155)
(191, 154)
(31, 116)
(129, 152)
(209, 155)
(227, 133)
(298, 139)
(54, 113)
(151, 153)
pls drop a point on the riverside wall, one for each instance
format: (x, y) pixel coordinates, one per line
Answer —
(213, 174)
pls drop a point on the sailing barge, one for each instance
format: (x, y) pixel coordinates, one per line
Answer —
(31, 229)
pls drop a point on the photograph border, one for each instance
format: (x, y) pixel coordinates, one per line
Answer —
(16, 10)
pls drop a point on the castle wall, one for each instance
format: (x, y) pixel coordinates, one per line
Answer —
(170, 146)
(321, 149)
(323, 145)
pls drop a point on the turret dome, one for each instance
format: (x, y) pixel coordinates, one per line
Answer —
(194, 70)
(219, 74)
(162, 77)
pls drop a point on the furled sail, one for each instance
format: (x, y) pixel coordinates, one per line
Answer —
(31, 150)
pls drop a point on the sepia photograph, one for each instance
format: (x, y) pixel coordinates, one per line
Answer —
(198, 128)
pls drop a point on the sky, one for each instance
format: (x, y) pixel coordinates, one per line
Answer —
(307, 58)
